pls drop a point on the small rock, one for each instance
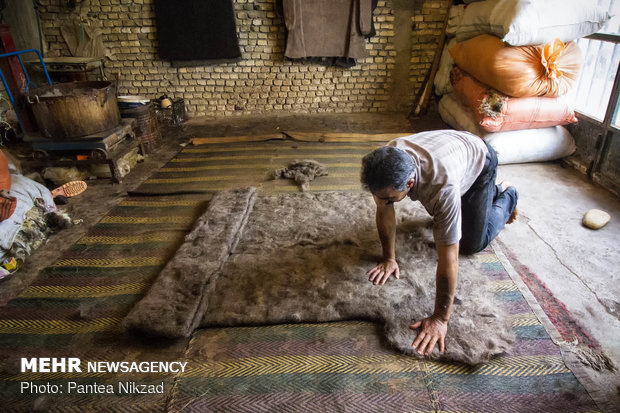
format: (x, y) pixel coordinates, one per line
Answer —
(595, 219)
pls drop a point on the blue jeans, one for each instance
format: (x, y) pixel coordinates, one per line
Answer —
(485, 209)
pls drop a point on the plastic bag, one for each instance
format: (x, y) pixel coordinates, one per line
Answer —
(546, 70)
(60, 175)
(497, 112)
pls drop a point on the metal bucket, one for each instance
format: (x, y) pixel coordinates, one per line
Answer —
(75, 109)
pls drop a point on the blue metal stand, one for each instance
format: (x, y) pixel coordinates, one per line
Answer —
(6, 86)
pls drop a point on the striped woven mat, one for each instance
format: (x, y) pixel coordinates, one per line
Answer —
(215, 167)
(344, 367)
(75, 307)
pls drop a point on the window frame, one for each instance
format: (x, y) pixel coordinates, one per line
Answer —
(606, 128)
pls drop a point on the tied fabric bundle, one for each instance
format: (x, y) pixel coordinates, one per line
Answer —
(496, 112)
(517, 146)
(520, 71)
(551, 54)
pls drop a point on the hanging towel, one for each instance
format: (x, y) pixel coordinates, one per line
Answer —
(327, 28)
(196, 30)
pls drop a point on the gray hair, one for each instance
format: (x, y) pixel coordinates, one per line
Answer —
(387, 167)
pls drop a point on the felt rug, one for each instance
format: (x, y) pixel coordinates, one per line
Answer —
(253, 260)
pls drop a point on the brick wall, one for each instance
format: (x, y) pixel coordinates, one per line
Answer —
(263, 80)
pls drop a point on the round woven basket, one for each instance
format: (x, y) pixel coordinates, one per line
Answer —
(147, 128)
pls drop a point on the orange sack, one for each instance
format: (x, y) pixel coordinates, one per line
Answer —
(5, 176)
(7, 205)
(496, 112)
(520, 71)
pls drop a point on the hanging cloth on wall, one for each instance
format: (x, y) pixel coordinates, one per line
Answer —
(84, 38)
(327, 28)
(196, 30)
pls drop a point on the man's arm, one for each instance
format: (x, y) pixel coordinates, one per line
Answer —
(447, 277)
(435, 327)
(386, 225)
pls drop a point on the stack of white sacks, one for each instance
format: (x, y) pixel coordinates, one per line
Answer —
(507, 69)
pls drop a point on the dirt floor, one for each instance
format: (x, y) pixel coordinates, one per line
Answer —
(578, 266)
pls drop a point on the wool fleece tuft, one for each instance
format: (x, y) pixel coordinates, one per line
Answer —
(303, 257)
(303, 172)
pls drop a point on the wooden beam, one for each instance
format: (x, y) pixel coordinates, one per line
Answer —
(304, 137)
(343, 136)
(237, 139)
(421, 102)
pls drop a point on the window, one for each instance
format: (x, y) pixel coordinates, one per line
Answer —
(601, 58)
(597, 134)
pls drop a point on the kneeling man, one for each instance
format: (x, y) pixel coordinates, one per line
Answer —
(453, 175)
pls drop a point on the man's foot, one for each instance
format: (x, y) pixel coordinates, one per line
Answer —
(513, 217)
(515, 213)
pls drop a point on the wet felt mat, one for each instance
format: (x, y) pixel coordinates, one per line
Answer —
(75, 306)
(215, 167)
(302, 257)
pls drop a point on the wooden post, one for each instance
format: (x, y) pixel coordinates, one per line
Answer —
(424, 96)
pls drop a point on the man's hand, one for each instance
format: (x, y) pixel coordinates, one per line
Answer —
(435, 327)
(380, 273)
(433, 331)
